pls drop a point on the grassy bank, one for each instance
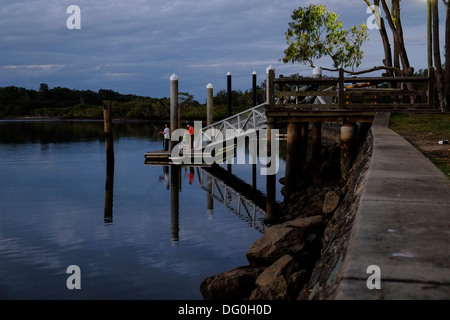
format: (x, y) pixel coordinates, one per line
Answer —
(424, 131)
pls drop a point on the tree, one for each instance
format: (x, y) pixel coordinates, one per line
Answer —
(316, 32)
(399, 60)
(447, 52)
(43, 87)
(437, 55)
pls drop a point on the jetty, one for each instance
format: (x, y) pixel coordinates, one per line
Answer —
(401, 187)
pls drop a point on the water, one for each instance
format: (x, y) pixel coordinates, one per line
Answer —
(129, 244)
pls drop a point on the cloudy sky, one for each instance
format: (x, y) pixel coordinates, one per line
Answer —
(134, 46)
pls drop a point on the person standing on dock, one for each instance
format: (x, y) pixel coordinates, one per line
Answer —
(191, 132)
(166, 134)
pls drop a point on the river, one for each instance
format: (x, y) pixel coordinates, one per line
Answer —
(128, 241)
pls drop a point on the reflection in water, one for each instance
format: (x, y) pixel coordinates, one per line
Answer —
(239, 197)
(54, 192)
(175, 175)
(209, 196)
(109, 186)
(165, 177)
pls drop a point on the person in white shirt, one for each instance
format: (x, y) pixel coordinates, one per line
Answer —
(166, 134)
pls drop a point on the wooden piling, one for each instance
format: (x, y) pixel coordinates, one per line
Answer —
(303, 150)
(107, 121)
(254, 89)
(347, 148)
(270, 181)
(292, 160)
(229, 95)
(209, 104)
(174, 115)
(316, 141)
(270, 87)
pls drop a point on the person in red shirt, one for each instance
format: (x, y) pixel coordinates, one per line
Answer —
(191, 132)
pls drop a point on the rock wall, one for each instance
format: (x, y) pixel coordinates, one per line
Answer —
(298, 257)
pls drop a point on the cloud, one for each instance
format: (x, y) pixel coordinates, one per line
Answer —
(143, 42)
(45, 67)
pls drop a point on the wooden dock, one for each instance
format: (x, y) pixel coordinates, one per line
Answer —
(158, 158)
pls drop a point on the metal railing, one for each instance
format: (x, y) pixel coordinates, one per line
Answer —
(252, 119)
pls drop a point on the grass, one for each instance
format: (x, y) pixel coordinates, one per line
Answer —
(424, 131)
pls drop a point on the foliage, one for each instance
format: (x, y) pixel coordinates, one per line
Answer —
(75, 104)
(316, 32)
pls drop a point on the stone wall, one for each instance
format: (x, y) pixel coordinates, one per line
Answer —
(298, 257)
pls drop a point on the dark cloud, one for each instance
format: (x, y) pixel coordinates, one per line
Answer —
(134, 46)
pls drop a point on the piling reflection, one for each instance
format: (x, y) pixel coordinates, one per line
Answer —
(109, 186)
(165, 177)
(175, 175)
(221, 186)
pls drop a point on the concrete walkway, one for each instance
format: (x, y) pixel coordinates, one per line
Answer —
(403, 225)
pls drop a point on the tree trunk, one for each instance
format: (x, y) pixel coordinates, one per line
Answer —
(447, 54)
(387, 61)
(397, 32)
(437, 55)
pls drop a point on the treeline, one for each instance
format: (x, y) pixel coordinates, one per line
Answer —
(66, 103)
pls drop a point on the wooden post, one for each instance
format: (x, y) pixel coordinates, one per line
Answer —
(254, 89)
(347, 148)
(270, 87)
(303, 150)
(174, 115)
(341, 89)
(270, 181)
(209, 104)
(316, 141)
(229, 94)
(107, 120)
(431, 80)
(292, 160)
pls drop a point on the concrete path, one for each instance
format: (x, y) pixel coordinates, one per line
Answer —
(402, 227)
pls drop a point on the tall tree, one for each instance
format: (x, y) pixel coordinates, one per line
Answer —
(387, 61)
(316, 32)
(437, 55)
(447, 52)
(393, 17)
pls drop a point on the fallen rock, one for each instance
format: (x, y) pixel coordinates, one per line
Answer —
(330, 202)
(304, 222)
(274, 283)
(236, 284)
(276, 242)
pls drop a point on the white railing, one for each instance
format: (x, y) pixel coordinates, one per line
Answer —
(252, 119)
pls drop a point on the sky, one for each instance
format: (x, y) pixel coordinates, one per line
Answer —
(134, 46)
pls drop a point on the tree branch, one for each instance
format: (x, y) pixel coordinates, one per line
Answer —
(376, 68)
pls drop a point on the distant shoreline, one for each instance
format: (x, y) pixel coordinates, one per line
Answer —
(39, 118)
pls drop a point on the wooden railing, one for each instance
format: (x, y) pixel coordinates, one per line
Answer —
(351, 93)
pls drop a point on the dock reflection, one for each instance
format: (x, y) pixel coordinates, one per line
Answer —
(221, 186)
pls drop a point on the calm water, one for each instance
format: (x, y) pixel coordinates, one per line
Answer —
(131, 243)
